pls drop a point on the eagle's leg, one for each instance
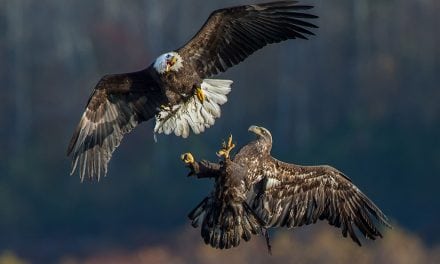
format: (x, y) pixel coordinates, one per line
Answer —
(266, 236)
(226, 148)
(203, 169)
(165, 107)
(200, 95)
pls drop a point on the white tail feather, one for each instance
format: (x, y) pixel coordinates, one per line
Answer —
(194, 114)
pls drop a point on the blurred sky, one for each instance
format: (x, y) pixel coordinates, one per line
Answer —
(362, 95)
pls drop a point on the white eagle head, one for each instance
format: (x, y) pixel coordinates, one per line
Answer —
(264, 136)
(170, 61)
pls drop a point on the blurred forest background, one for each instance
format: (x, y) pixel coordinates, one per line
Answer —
(363, 96)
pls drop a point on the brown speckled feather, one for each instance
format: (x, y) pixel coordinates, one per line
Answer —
(291, 195)
(225, 217)
(286, 195)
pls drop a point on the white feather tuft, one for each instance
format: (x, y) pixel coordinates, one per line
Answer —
(192, 114)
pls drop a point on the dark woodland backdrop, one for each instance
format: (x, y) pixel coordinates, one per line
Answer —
(363, 96)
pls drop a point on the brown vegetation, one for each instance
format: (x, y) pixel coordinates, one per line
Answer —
(314, 244)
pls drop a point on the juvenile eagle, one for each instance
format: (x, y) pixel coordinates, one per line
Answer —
(254, 191)
(175, 88)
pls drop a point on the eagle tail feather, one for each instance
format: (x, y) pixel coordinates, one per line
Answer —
(194, 114)
(223, 226)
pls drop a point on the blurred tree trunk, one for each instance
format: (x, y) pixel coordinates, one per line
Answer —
(293, 98)
(16, 38)
(362, 33)
(155, 23)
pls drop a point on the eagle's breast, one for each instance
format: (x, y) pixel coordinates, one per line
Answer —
(183, 82)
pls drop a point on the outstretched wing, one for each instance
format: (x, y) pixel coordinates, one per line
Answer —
(118, 104)
(230, 35)
(291, 195)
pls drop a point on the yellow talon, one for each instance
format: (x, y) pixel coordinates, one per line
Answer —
(226, 148)
(165, 107)
(200, 94)
(230, 144)
(187, 158)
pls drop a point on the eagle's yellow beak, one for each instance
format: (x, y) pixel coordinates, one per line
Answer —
(170, 63)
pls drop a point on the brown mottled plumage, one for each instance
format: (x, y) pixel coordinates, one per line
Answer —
(278, 194)
(224, 216)
(166, 88)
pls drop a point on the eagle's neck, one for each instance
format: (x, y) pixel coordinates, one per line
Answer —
(262, 146)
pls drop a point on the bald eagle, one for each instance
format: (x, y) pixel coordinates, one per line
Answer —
(254, 191)
(175, 89)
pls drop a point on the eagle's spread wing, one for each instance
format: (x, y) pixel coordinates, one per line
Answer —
(291, 195)
(118, 103)
(232, 34)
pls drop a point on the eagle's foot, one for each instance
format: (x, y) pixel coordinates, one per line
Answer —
(189, 161)
(187, 158)
(165, 108)
(200, 95)
(226, 148)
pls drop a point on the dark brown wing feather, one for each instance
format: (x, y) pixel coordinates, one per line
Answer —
(230, 35)
(291, 195)
(118, 104)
